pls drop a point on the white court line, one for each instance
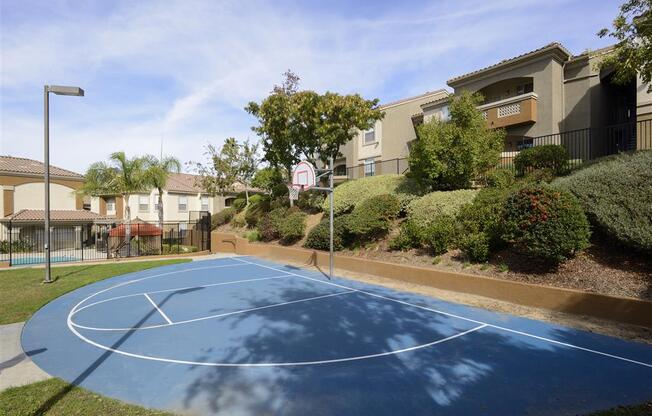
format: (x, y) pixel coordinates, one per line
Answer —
(150, 277)
(203, 318)
(456, 316)
(158, 309)
(178, 289)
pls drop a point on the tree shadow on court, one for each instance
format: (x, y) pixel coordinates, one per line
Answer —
(484, 372)
(51, 401)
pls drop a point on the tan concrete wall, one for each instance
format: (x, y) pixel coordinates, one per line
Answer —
(626, 310)
(32, 195)
(393, 133)
(547, 76)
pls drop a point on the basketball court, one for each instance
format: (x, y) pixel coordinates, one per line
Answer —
(245, 336)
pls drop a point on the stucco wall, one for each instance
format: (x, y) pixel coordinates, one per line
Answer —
(547, 75)
(31, 196)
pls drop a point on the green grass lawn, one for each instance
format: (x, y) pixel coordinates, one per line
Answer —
(56, 397)
(22, 292)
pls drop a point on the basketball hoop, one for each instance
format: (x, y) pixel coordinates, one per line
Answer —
(304, 176)
(294, 192)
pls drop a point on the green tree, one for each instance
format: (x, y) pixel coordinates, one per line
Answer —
(119, 176)
(220, 173)
(296, 125)
(632, 55)
(267, 178)
(450, 154)
(248, 164)
(157, 172)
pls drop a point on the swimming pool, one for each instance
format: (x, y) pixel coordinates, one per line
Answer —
(31, 259)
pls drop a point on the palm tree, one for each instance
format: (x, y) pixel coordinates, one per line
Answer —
(157, 173)
(120, 176)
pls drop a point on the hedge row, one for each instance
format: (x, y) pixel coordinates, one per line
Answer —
(351, 193)
(616, 195)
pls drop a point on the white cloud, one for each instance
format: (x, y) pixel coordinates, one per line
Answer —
(210, 58)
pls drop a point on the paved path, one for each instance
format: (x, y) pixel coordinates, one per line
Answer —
(16, 368)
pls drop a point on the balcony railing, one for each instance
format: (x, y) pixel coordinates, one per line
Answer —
(513, 111)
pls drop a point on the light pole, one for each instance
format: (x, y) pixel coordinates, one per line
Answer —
(58, 90)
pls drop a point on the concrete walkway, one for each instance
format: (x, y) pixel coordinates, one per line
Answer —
(16, 368)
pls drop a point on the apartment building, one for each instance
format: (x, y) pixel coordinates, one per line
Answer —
(384, 147)
(545, 96)
(549, 91)
(22, 190)
(182, 196)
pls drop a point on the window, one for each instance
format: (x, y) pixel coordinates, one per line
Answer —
(204, 203)
(525, 88)
(143, 203)
(183, 203)
(183, 227)
(110, 204)
(369, 167)
(228, 202)
(340, 170)
(369, 136)
(156, 202)
(524, 144)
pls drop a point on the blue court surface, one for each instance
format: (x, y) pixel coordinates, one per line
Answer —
(244, 336)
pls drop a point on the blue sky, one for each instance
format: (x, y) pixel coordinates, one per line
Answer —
(181, 72)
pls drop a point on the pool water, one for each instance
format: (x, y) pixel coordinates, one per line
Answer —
(40, 259)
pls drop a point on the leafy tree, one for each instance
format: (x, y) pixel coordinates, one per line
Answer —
(296, 125)
(267, 178)
(157, 173)
(120, 176)
(220, 173)
(450, 154)
(248, 164)
(232, 163)
(632, 28)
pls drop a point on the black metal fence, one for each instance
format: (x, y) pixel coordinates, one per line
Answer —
(23, 244)
(582, 145)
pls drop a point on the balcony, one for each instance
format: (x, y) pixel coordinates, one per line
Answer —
(513, 111)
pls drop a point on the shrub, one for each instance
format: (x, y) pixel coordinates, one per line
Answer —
(426, 209)
(439, 235)
(546, 223)
(409, 236)
(450, 154)
(239, 220)
(485, 215)
(292, 227)
(351, 193)
(268, 226)
(222, 217)
(239, 204)
(178, 249)
(19, 246)
(319, 237)
(551, 157)
(616, 195)
(311, 201)
(372, 217)
(253, 236)
(475, 246)
(258, 206)
(500, 178)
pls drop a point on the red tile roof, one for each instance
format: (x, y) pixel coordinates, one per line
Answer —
(551, 46)
(24, 166)
(37, 215)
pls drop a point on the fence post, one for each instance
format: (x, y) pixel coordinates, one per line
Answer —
(138, 240)
(81, 241)
(398, 169)
(10, 242)
(178, 238)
